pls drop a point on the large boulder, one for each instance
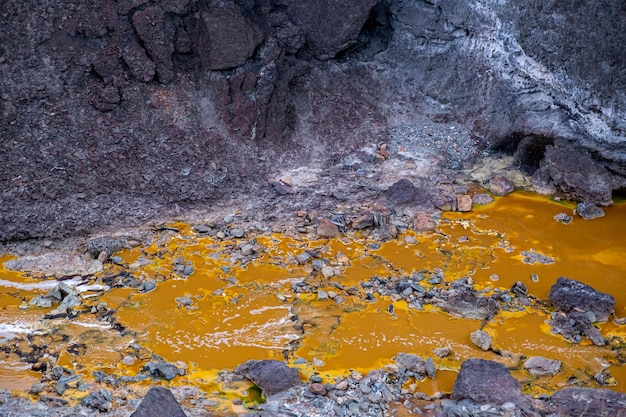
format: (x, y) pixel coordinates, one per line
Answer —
(568, 295)
(270, 375)
(588, 402)
(224, 38)
(486, 382)
(330, 26)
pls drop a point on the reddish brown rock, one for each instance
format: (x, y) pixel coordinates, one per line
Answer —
(463, 202)
(327, 229)
(500, 186)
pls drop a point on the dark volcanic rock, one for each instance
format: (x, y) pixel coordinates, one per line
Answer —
(486, 382)
(588, 402)
(93, 139)
(224, 38)
(157, 34)
(404, 192)
(568, 295)
(576, 173)
(270, 375)
(574, 326)
(330, 26)
(159, 402)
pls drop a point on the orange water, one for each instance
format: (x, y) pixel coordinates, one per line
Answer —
(242, 309)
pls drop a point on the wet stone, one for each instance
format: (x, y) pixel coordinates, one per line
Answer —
(327, 229)
(589, 211)
(158, 402)
(563, 218)
(481, 339)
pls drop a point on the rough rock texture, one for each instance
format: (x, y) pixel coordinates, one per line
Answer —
(159, 402)
(587, 402)
(116, 113)
(568, 295)
(486, 382)
(269, 375)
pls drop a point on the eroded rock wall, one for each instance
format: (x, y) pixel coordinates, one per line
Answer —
(116, 112)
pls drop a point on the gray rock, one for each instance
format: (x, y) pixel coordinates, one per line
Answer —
(481, 339)
(106, 244)
(486, 382)
(55, 264)
(412, 363)
(574, 325)
(464, 303)
(101, 400)
(538, 365)
(159, 402)
(589, 211)
(162, 370)
(237, 232)
(568, 294)
(270, 375)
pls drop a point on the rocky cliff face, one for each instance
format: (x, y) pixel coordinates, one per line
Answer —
(113, 111)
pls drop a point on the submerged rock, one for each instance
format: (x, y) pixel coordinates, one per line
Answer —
(568, 295)
(159, 402)
(270, 375)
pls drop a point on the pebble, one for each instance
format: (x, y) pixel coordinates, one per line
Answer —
(318, 388)
(237, 232)
(322, 295)
(328, 271)
(410, 240)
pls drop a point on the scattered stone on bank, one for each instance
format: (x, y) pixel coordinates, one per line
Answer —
(589, 402)
(271, 376)
(538, 365)
(159, 402)
(101, 400)
(481, 339)
(107, 244)
(563, 218)
(163, 370)
(500, 186)
(409, 362)
(589, 211)
(363, 222)
(486, 382)
(481, 199)
(327, 229)
(568, 295)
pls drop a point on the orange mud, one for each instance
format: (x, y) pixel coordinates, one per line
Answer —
(232, 309)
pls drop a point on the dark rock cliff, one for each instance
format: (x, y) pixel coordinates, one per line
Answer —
(112, 111)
